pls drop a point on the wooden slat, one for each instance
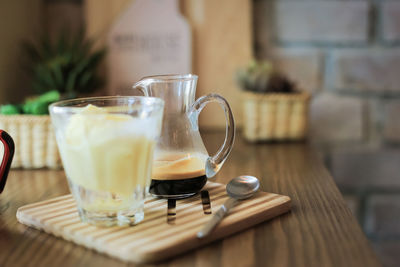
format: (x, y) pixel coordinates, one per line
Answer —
(100, 16)
(222, 43)
(153, 239)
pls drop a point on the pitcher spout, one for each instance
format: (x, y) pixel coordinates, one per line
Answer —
(142, 86)
(177, 90)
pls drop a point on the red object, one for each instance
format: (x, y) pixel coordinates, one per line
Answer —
(8, 143)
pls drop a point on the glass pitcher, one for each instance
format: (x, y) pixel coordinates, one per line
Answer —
(182, 164)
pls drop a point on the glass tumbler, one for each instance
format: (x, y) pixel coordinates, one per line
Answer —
(106, 146)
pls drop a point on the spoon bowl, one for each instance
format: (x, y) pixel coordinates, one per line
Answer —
(242, 187)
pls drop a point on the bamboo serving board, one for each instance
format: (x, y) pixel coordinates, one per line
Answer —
(158, 236)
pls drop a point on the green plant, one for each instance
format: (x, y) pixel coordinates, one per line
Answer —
(37, 105)
(67, 65)
(261, 77)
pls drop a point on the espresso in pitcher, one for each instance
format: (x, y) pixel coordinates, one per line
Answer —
(178, 175)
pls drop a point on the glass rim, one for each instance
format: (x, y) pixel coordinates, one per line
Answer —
(70, 104)
(170, 77)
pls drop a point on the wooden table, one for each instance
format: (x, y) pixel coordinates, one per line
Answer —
(319, 231)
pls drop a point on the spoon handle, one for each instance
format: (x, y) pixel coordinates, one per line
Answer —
(216, 218)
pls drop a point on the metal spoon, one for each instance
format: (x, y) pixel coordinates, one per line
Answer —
(238, 188)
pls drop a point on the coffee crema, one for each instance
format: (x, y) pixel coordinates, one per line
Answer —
(178, 175)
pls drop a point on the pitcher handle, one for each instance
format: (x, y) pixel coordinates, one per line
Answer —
(7, 157)
(215, 162)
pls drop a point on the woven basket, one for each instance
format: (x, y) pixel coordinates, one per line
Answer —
(35, 144)
(269, 117)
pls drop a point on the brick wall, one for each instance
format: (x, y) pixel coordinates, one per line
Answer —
(347, 53)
